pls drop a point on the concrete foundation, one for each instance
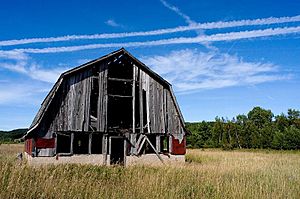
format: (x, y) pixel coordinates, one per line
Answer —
(153, 160)
(99, 159)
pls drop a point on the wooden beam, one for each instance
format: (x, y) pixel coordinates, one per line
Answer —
(90, 143)
(133, 143)
(141, 101)
(120, 80)
(109, 145)
(141, 145)
(133, 136)
(170, 144)
(125, 151)
(133, 101)
(104, 149)
(128, 96)
(154, 150)
(158, 143)
(148, 103)
(71, 146)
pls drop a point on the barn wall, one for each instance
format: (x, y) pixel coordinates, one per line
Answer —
(70, 108)
(162, 113)
(102, 101)
(73, 113)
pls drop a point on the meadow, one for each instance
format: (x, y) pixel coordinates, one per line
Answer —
(209, 173)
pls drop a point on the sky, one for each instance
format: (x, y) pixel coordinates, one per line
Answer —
(222, 57)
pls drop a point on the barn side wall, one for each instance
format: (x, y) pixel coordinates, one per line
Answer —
(163, 115)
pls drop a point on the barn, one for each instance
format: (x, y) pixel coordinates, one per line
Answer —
(112, 110)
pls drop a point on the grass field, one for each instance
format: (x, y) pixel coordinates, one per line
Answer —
(207, 174)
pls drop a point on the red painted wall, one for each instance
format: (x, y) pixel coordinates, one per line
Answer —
(42, 143)
(28, 146)
(178, 148)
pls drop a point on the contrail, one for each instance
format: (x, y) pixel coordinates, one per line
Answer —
(180, 40)
(196, 26)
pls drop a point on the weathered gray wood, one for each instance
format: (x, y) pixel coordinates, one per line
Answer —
(158, 137)
(90, 143)
(125, 151)
(109, 145)
(133, 137)
(121, 96)
(120, 80)
(148, 103)
(105, 101)
(133, 143)
(102, 99)
(133, 99)
(72, 141)
(156, 152)
(70, 108)
(104, 149)
(170, 143)
(141, 102)
(140, 146)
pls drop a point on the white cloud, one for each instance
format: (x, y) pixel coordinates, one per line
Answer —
(179, 40)
(191, 70)
(20, 93)
(46, 75)
(19, 62)
(112, 23)
(197, 26)
(175, 9)
(6, 55)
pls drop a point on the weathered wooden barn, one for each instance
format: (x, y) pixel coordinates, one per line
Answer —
(110, 110)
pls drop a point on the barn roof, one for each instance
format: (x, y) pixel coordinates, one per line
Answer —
(47, 101)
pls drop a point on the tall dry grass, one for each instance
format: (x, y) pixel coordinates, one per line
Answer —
(209, 174)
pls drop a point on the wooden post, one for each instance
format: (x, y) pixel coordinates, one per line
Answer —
(90, 143)
(104, 149)
(125, 151)
(55, 149)
(170, 143)
(71, 146)
(147, 102)
(158, 143)
(133, 136)
(166, 112)
(109, 145)
(141, 102)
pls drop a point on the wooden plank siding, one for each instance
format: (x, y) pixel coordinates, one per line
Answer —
(74, 107)
(68, 109)
(72, 104)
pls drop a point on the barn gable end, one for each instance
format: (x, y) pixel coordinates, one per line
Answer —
(114, 106)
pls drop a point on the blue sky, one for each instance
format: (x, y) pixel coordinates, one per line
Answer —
(222, 57)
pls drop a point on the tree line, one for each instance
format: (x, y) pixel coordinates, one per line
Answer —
(258, 129)
(11, 136)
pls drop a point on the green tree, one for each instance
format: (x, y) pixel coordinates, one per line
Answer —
(294, 117)
(281, 122)
(217, 132)
(260, 116)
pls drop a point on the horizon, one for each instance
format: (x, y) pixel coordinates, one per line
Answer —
(221, 60)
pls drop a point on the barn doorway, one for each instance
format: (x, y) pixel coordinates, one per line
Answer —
(81, 143)
(117, 150)
(63, 143)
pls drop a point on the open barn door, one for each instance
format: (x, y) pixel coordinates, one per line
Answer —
(117, 155)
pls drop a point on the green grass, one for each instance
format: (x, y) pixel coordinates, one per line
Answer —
(210, 173)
